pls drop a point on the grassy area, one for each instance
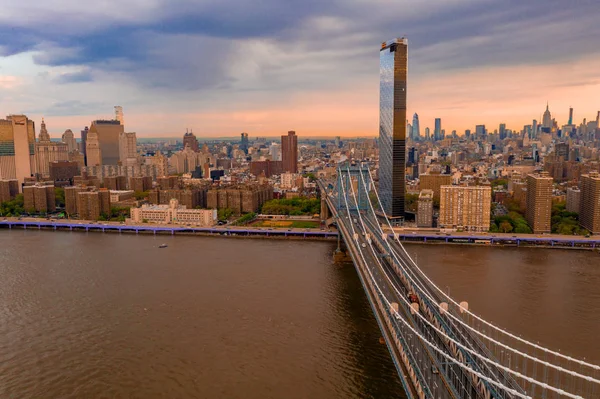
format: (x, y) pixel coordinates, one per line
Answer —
(287, 224)
(293, 207)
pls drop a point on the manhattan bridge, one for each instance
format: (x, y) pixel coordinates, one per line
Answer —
(440, 347)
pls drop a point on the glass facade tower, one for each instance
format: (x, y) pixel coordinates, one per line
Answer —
(393, 65)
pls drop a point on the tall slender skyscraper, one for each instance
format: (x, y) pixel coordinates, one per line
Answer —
(547, 118)
(289, 152)
(416, 130)
(119, 114)
(393, 66)
(437, 133)
(571, 116)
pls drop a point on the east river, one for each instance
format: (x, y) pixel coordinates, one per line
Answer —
(92, 315)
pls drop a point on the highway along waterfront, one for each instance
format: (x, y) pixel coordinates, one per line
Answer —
(107, 315)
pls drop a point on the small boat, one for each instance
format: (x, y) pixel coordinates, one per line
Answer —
(163, 246)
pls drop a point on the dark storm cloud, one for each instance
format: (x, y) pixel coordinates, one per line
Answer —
(189, 45)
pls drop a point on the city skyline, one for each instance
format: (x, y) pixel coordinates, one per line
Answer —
(175, 64)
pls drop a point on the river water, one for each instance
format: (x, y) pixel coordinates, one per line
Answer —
(113, 316)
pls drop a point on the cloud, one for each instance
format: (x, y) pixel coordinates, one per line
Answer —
(239, 55)
(9, 82)
(74, 77)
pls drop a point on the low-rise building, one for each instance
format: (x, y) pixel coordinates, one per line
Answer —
(173, 213)
(120, 195)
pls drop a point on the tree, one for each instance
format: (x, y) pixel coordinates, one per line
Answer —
(140, 195)
(506, 227)
(59, 195)
(224, 214)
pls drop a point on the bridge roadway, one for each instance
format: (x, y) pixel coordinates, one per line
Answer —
(436, 377)
(406, 351)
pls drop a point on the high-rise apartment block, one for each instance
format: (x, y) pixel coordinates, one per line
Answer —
(289, 152)
(573, 199)
(8, 190)
(589, 217)
(17, 148)
(39, 198)
(240, 199)
(128, 149)
(465, 208)
(539, 202)
(393, 67)
(92, 204)
(63, 170)
(425, 209)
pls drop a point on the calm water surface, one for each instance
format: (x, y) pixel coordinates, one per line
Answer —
(107, 316)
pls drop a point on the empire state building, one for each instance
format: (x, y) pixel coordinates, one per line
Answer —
(547, 118)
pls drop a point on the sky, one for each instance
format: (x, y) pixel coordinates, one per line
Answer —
(221, 67)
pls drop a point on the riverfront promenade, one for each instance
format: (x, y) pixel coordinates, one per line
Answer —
(429, 236)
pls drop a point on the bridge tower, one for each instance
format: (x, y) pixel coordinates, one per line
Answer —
(350, 174)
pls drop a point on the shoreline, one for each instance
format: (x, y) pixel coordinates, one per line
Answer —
(297, 234)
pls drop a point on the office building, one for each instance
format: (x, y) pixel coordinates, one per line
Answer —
(480, 131)
(393, 66)
(502, 131)
(173, 213)
(190, 140)
(466, 208)
(289, 152)
(425, 209)
(547, 119)
(539, 202)
(437, 133)
(128, 149)
(106, 134)
(39, 198)
(589, 217)
(244, 142)
(573, 199)
(275, 152)
(416, 130)
(17, 148)
(47, 151)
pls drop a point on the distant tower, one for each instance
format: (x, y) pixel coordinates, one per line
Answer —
(44, 136)
(502, 131)
(244, 142)
(598, 120)
(415, 127)
(427, 133)
(289, 152)
(437, 132)
(571, 116)
(393, 67)
(547, 118)
(119, 115)
(534, 129)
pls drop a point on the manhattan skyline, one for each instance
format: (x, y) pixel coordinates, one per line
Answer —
(231, 66)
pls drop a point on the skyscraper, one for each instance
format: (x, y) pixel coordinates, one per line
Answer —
(47, 151)
(393, 65)
(571, 116)
(289, 152)
(416, 130)
(437, 132)
(128, 149)
(107, 133)
(547, 119)
(69, 139)
(244, 142)
(427, 133)
(480, 131)
(17, 148)
(502, 131)
(534, 129)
